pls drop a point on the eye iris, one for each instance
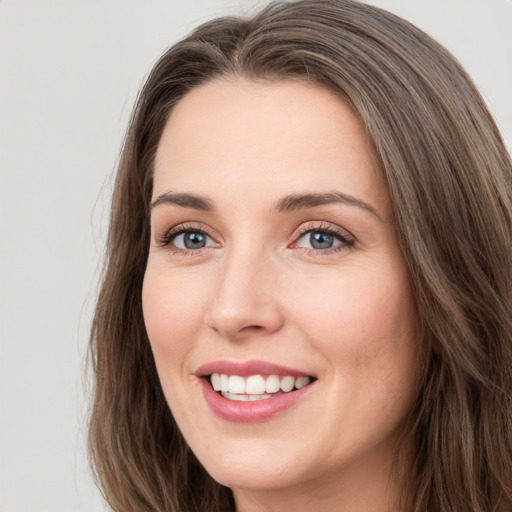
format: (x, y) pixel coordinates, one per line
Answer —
(194, 240)
(321, 240)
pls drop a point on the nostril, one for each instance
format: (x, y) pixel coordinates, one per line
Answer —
(252, 329)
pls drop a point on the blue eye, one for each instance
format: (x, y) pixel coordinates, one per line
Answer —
(318, 240)
(321, 240)
(324, 239)
(190, 240)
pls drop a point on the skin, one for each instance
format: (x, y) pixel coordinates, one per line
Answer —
(259, 290)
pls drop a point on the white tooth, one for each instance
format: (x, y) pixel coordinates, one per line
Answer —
(253, 398)
(244, 397)
(236, 384)
(236, 397)
(287, 383)
(224, 382)
(272, 384)
(302, 381)
(215, 380)
(255, 385)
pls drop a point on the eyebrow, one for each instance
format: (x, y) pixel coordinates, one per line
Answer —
(183, 199)
(303, 201)
(288, 203)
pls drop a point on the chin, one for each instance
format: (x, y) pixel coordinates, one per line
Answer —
(254, 478)
(253, 471)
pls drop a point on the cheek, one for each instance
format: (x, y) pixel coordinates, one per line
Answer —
(172, 315)
(364, 323)
(356, 304)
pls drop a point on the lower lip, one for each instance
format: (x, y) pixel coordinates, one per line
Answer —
(251, 412)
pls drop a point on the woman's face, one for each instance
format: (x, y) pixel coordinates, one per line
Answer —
(274, 261)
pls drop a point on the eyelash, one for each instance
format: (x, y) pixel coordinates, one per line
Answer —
(180, 229)
(347, 240)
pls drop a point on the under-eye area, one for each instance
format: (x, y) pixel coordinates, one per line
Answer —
(256, 387)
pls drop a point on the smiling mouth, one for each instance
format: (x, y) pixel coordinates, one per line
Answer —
(256, 387)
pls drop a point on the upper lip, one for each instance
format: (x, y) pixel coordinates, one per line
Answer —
(246, 368)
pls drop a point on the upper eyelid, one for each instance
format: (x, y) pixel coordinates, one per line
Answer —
(184, 227)
(308, 227)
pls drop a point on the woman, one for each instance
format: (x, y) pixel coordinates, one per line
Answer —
(307, 298)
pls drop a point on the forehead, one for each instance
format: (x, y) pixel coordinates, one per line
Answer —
(265, 139)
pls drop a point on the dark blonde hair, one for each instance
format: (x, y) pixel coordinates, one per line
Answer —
(450, 181)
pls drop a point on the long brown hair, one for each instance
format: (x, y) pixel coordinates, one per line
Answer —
(450, 180)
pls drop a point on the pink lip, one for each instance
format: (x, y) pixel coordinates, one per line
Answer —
(249, 412)
(246, 368)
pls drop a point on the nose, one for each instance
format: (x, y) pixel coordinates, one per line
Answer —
(245, 302)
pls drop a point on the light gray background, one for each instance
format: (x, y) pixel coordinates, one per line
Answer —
(70, 71)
